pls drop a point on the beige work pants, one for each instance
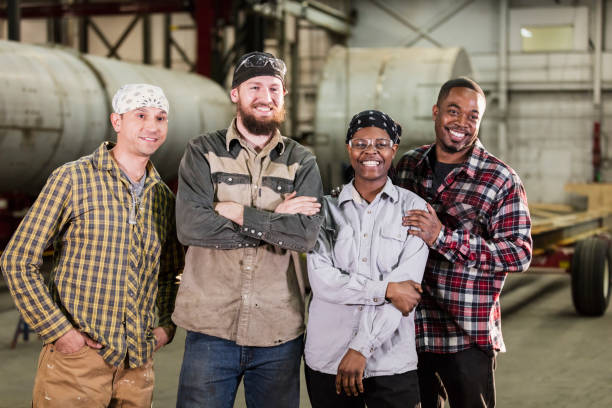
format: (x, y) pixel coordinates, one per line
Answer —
(84, 379)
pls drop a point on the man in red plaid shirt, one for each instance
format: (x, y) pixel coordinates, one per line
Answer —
(478, 230)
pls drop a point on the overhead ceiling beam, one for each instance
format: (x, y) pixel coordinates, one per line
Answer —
(317, 13)
(443, 19)
(392, 13)
(46, 10)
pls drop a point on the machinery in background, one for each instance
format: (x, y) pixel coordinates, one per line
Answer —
(55, 105)
(403, 82)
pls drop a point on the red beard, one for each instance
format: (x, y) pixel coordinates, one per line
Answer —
(258, 126)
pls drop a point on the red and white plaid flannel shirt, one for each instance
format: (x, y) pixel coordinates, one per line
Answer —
(485, 234)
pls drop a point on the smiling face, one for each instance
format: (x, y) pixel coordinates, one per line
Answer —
(141, 131)
(371, 164)
(457, 120)
(260, 104)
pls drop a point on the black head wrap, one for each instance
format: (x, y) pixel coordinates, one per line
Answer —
(258, 63)
(369, 118)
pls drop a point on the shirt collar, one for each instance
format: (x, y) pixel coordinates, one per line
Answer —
(475, 159)
(103, 160)
(276, 142)
(349, 192)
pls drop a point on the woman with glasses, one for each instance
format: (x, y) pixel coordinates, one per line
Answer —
(365, 272)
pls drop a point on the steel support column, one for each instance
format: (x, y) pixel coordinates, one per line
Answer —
(204, 16)
(14, 20)
(84, 34)
(597, 105)
(502, 88)
(146, 40)
(167, 41)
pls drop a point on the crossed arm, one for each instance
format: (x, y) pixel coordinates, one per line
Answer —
(291, 205)
(201, 221)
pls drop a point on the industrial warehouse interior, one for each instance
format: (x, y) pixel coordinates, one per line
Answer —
(545, 67)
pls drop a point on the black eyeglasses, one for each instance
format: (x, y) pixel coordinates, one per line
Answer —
(259, 61)
(363, 144)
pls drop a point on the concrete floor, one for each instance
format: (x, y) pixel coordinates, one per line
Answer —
(555, 358)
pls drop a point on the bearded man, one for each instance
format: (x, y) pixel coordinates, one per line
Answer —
(247, 203)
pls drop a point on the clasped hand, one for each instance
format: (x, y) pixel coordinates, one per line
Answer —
(404, 295)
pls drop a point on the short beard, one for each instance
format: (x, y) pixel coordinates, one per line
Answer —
(261, 127)
(453, 149)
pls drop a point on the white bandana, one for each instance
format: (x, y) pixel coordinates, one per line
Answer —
(134, 96)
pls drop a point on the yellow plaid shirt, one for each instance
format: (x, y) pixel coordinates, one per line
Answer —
(108, 275)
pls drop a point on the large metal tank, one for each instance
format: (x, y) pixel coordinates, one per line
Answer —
(403, 82)
(55, 105)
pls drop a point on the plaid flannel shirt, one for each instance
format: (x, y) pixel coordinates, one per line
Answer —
(485, 234)
(108, 274)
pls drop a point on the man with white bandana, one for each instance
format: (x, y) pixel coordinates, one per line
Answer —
(110, 219)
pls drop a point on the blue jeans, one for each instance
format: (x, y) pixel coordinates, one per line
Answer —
(213, 367)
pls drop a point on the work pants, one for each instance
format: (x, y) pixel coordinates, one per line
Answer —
(84, 379)
(385, 391)
(466, 378)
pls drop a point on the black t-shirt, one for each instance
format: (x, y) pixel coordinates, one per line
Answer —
(440, 170)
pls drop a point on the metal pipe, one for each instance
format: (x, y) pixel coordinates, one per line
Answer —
(295, 79)
(14, 20)
(502, 86)
(598, 56)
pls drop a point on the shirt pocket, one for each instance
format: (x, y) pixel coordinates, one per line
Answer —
(277, 184)
(467, 217)
(390, 246)
(232, 187)
(344, 249)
